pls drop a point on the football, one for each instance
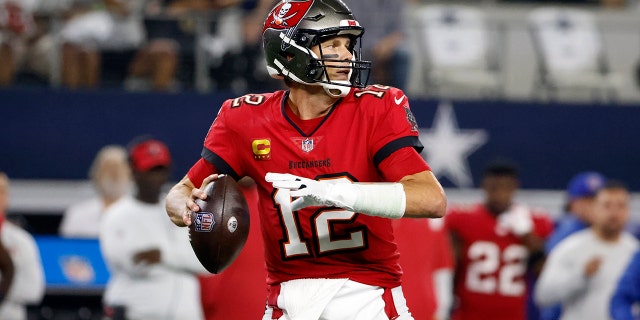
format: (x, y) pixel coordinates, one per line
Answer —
(219, 231)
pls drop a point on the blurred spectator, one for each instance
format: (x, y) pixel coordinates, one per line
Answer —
(581, 192)
(251, 67)
(153, 267)
(209, 32)
(231, 44)
(496, 243)
(426, 259)
(155, 60)
(252, 62)
(111, 178)
(255, 12)
(223, 30)
(111, 33)
(18, 32)
(583, 270)
(25, 277)
(82, 31)
(626, 297)
(383, 43)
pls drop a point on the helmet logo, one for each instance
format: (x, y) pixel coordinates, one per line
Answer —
(281, 18)
(287, 14)
(349, 23)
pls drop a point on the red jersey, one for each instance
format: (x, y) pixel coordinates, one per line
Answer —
(239, 290)
(490, 282)
(424, 248)
(359, 140)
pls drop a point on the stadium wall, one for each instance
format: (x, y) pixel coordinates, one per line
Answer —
(49, 138)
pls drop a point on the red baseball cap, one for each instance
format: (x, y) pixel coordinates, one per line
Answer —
(149, 154)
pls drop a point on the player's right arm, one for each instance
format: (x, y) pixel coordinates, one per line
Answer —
(176, 202)
(180, 200)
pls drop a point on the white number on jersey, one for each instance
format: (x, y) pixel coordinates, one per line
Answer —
(295, 245)
(493, 271)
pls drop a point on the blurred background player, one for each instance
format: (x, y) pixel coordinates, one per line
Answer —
(24, 278)
(626, 296)
(153, 267)
(583, 270)
(581, 191)
(111, 178)
(426, 258)
(386, 25)
(494, 243)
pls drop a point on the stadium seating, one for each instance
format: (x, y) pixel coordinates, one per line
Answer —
(571, 54)
(461, 51)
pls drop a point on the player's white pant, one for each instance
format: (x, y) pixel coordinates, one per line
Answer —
(334, 299)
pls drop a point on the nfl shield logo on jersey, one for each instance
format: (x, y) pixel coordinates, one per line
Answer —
(204, 222)
(307, 145)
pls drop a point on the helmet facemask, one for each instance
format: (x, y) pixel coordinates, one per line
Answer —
(319, 66)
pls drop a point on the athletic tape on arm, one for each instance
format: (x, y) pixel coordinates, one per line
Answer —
(387, 200)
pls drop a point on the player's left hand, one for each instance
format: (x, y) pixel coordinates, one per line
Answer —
(310, 192)
(518, 220)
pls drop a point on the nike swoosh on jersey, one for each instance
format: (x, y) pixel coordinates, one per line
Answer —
(399, 100)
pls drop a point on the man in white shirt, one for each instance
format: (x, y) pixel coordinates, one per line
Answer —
(111, 177)
(583, 270)
(153, 267)
(27, 286)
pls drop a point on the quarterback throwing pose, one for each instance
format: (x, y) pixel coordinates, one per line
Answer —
(333, 161)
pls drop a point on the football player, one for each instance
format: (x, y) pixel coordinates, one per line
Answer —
(494, 243)
(333, 160)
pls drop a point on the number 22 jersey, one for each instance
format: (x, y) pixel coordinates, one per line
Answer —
(490, 283)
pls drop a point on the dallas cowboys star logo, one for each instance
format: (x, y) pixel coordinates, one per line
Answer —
(447, 147)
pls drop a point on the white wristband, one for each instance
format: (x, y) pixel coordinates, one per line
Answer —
(387, 200)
